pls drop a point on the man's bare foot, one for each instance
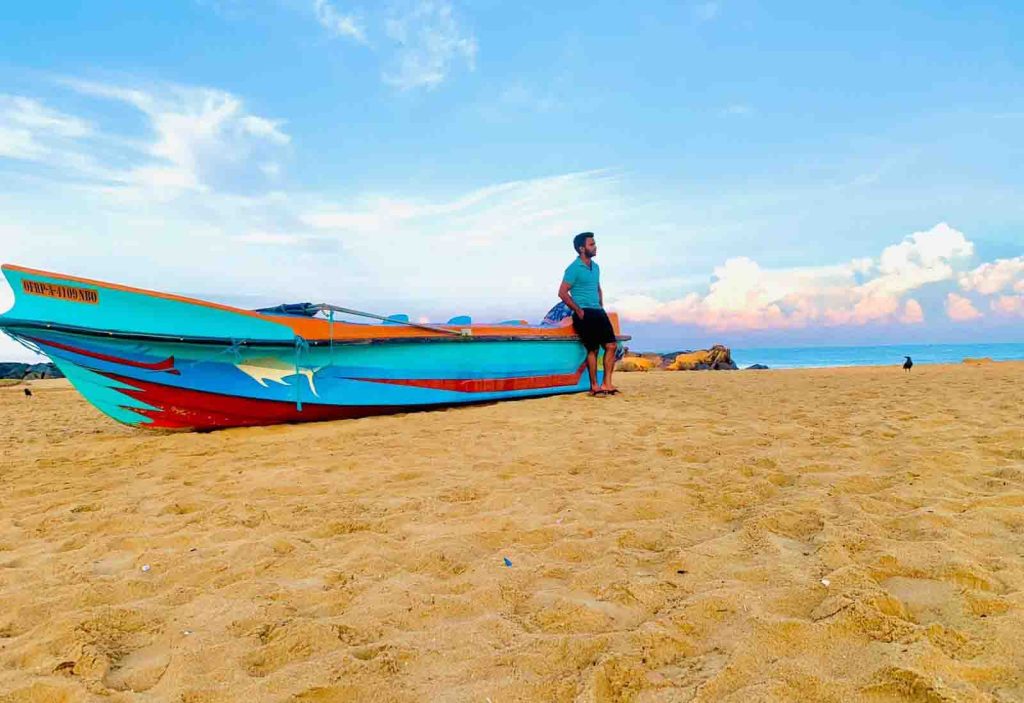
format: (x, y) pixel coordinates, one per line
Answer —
(597, 393)
(610, 390)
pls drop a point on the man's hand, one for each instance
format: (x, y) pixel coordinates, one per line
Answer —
(563, 295)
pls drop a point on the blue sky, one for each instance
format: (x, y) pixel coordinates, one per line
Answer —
(757, 173)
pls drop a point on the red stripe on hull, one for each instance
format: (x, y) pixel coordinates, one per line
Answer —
(182, 408)
(486, 385)
(165, 365)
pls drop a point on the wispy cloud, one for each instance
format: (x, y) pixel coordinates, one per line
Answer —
(430, 41)
(31, 131)
(202, 138)
(338, 23)
(496, 230)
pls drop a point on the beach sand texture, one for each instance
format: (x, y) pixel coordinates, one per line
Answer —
(669, 544)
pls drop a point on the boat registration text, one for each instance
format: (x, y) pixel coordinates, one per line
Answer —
(54, 290)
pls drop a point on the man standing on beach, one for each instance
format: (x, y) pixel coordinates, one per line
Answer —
(581, 291)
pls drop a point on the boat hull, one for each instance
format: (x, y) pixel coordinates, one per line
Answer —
(165, 385)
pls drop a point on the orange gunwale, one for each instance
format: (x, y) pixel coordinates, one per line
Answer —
(320, 329)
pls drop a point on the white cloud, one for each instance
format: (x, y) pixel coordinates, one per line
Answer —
(1012, 305)
(202, 139)
(32, 114)
(338, 23)
(912, 313)
(423, 40)
(960, 309)
(30, 131)
(743, 295)
(262, 127)
(431, 42)
(995, 276)
(921, 258)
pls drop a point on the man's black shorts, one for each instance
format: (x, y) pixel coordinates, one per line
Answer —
(595, 329)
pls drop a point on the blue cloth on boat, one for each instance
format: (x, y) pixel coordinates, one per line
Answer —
(584, 282)
(556, 315)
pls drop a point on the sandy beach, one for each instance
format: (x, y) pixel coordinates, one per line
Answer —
(814, 535)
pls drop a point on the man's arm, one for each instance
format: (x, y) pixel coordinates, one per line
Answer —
(600, 294)
(563, 294)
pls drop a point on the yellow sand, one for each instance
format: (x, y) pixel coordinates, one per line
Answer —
(823, 535)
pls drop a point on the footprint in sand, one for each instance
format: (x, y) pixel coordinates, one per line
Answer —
(140, 670)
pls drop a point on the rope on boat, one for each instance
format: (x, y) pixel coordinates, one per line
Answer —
(25, 343)
(359, 313)
(330, 353)
(301, 345)
(234, 349)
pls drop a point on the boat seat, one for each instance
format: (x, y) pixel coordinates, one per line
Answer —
(396, 319)
(461, 320)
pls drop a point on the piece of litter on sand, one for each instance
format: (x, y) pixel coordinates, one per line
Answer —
(145, 567)
(681, 571)
(825, 583)
(508, 562)
(186, 632)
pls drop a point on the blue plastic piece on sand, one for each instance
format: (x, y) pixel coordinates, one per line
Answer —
(508, 562)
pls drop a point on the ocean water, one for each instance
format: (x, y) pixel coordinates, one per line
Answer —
(890, 355)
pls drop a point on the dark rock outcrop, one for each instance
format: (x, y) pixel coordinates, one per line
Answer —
(717, 358)
(29, 372)
(757, 367)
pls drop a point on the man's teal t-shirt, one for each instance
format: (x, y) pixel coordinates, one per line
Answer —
(584, 282)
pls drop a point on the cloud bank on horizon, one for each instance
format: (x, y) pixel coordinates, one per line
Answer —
(744, 296)
(458, 184)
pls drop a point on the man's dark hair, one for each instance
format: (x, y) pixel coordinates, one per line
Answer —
(580, 240)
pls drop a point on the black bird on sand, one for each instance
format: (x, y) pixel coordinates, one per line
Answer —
(28, 393)
(908, 364)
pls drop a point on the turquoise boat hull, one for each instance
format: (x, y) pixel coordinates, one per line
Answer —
(160, 361)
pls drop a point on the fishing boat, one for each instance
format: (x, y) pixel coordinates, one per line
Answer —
(164, 361)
